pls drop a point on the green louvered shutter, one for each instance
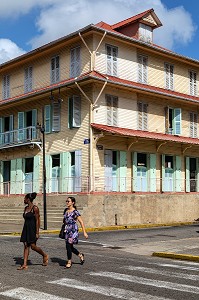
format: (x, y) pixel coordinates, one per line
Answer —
(163, 172)
(123, 171)
(64, 158)
(78, 170)
(21, 133)
(177, 121)
(134, 167)
(47, 117)
(1, 178)
(187, 162)
(11, 127)
(36, 174)
(152, 172)
(48, 163)
(20, 177)
(13, 176)
(178, 179)
(34, 123)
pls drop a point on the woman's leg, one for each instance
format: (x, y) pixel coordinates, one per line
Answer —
(26, 251)
(41, 252)
(69, 254)
(81, 255)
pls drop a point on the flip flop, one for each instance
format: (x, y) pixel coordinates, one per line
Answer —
(22, 268)
(45, 261)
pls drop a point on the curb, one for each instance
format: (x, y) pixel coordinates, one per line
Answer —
(108, 228)
(176, 256)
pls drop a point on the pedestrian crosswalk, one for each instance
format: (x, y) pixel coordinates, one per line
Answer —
(179, 277)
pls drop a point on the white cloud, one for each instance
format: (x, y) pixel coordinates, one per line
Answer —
(60, 17)
(9, 50)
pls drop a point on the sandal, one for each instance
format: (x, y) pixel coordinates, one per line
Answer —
(81, 256)
(45, 261)
(68, 265)
(22, 268)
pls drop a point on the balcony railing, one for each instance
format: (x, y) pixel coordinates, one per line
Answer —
(20, 136)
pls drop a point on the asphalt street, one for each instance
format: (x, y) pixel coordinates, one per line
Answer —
(118, 265)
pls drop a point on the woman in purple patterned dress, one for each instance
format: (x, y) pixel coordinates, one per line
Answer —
(71, 216)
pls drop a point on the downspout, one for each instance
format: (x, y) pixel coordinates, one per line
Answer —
(92, 62)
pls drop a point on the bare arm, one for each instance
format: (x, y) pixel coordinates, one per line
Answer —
(37, 217)
(83, 227)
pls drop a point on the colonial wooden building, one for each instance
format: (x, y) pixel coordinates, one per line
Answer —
(120, 114)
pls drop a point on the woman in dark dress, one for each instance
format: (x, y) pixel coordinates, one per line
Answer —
(30, 232)
(71, 216)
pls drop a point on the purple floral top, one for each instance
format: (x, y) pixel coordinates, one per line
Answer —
(71, 227)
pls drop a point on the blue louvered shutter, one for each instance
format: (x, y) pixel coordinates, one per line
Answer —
(123, 171)
(34, 123)
(13, 168)
(47, 117)
(152, 172)
(108, 170)
(177, 120)
(11, 127)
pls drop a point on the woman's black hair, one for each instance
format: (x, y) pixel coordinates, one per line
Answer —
(31, 196)
(73, 201)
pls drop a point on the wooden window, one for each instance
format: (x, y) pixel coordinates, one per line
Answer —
(142, 68)
(169, 71)
(112, 57)
(142, 116)
(28, 80)
(75, 62)
(55, 69)
(193, 83)
(6, 87)
(172, 120)
(193, 124)
(112, 107)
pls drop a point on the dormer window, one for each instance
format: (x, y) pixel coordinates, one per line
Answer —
(145, 33)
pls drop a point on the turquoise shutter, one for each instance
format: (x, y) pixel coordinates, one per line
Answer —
(134, 180)
(21, 133)
(108, 170)
(78, 170)
(122, 171)
(34, 123)
(177, 121)
(152, 172)
(163, 172)
(64, 161)
(48, 162)
(20, 186)
(187, 174)
(11, 127)
(47, 117)
(178, 179)
(1, 131)
(36, 174)
(13, 176)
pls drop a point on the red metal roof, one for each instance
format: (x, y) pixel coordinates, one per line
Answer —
(133, 19)
(145, 134)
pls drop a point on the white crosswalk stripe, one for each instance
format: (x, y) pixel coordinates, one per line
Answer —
(163, 273)
(117, 293)
(27, 294)
(150, 282)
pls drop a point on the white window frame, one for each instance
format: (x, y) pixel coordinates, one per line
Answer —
(112, 110)
(111, 60)
(192, 83)
(28, 79)
(142, 68)
(142, 122)
(193, 124)
(6, 87)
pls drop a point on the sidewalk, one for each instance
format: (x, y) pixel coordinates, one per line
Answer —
(184, 249)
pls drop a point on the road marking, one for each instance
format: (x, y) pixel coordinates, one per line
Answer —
(178, 267)
(26, 294)
(146, 281)
(164, 273)
(105, 290)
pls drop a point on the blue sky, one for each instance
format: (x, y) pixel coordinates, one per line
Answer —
(28, 24)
